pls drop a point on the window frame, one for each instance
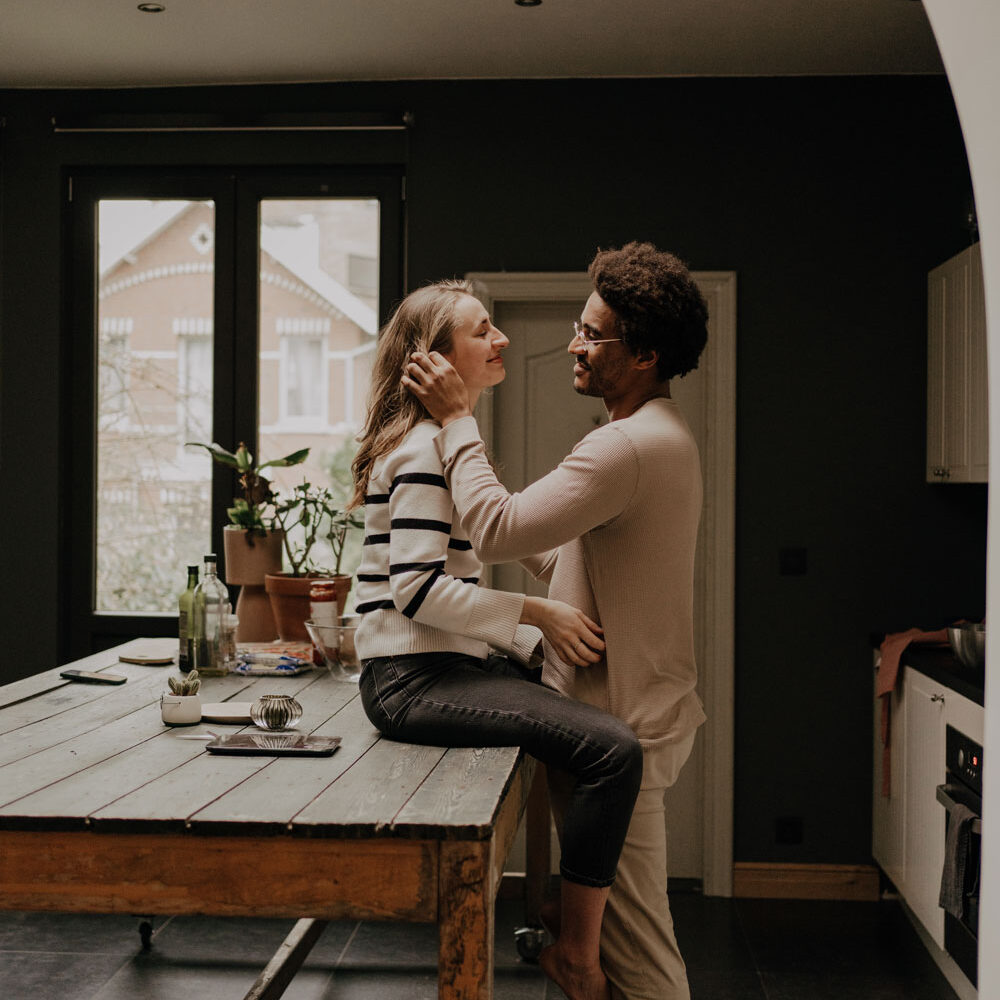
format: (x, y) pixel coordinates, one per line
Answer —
(236, 193)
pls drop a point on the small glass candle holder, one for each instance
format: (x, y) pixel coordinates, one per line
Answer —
(275, 711)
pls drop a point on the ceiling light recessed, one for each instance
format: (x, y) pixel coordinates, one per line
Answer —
(528, 3)
(151, 8)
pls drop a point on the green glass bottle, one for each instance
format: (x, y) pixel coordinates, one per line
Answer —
(185, 607)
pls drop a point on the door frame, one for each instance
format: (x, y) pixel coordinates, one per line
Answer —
(717, 602)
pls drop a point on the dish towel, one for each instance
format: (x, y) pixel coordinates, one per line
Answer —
(956, 855)
(888, 671)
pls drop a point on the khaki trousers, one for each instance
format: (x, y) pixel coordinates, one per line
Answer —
(639, 952)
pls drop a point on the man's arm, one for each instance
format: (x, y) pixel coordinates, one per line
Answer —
(590, 487)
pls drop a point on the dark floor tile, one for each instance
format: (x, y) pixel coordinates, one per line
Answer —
(844, 986)
(859, 939)
(382, 984)
(709, 933)
(33, 975)
(734, 984)
(385, 945)
(166, 980)
(250, 941)
(71, 932)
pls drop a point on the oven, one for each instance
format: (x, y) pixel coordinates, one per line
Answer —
(964, 784)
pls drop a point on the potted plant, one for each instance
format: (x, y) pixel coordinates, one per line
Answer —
(182, 706)
(252, 544)
(307, 516)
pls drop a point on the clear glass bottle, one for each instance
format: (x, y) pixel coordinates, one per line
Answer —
(185, 638)
(210, 609)
(229, 626)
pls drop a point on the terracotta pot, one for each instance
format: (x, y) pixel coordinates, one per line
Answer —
(246, 566)
(289, 596)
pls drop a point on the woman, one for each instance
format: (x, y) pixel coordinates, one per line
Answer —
(428, 675)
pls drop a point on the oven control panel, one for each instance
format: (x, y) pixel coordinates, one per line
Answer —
(964, 759)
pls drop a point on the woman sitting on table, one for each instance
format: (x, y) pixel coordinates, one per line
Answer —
(426, 640)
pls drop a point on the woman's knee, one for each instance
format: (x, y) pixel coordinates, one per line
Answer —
(625, 753)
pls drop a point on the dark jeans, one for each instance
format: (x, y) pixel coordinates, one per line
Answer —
(453, 700)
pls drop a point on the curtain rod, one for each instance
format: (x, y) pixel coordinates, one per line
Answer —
(328, 122)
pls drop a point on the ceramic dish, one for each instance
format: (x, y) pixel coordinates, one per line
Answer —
(237, 712)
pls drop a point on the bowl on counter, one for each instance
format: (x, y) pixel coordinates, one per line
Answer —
(968, 643)
(336, 644)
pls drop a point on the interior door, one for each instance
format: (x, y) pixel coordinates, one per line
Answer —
(537, 419)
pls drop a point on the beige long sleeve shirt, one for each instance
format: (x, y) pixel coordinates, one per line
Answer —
(622, 509)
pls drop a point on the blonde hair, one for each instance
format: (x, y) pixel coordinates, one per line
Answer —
(423, 321)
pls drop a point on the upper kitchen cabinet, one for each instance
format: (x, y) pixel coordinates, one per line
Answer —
(957, 407)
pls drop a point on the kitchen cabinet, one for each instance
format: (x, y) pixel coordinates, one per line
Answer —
(908, 827)
(924, 822)
(957, 410)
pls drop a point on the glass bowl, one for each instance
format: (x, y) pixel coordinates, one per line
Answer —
(336, 644)
(275, 712)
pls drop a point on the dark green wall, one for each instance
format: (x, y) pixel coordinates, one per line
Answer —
(830, 198)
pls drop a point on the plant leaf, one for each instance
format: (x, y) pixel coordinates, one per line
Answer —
(295, 458)
(217, 452)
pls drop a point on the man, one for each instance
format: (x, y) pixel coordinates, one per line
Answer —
(623, 511)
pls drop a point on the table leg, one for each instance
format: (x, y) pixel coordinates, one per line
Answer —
(537, 848)
(465, 918)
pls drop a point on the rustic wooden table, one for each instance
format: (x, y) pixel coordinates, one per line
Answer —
(104, 809)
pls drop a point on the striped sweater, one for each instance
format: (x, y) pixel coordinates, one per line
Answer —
(418, 580)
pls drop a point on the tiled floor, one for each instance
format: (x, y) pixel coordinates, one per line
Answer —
(735, 950)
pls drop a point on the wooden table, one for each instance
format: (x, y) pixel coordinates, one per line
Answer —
(104, 810)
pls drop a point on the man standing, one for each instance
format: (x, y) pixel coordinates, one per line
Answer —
(622, 511)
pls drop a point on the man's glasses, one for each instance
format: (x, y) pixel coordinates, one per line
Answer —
(585, 335)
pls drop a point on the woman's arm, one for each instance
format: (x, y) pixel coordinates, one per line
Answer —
(575, 638)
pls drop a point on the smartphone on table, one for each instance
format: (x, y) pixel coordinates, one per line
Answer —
(92, 677)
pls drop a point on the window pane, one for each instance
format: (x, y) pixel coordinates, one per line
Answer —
(318, 324)
(154, 358)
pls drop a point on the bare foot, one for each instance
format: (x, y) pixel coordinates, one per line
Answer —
(551, 917)
(576, 981)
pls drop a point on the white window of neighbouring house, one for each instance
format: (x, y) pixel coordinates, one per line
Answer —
(303, 373)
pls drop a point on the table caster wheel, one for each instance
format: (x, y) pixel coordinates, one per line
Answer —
(529, 941)
(146, 934)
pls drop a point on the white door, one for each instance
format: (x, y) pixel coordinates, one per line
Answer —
(536, 418)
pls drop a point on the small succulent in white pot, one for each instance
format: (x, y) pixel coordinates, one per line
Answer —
(182, 706)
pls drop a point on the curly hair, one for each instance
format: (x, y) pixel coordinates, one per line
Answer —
(657, 304)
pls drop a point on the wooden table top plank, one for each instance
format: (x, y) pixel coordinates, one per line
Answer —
(89, 717)
(71, 707)
(275, 795)
(173, 800)
(29, 774)
(462, 793)
(49, 680)
(97, 742)
(366, 798)
(70, 802)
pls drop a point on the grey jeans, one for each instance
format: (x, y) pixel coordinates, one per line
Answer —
(454, 700)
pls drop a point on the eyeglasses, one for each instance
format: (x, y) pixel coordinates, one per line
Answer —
(585, 335)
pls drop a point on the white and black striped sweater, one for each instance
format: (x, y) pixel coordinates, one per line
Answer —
(418, 581)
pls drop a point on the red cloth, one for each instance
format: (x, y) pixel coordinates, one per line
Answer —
(888, 672)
